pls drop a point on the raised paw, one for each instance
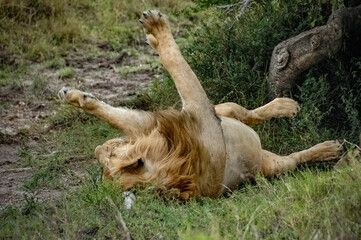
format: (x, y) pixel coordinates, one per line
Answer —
(156, 27)
(285, 107)
(77, 98)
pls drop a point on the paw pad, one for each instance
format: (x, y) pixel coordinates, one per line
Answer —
(153, 22)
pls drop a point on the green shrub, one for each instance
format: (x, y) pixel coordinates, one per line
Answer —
(231, 58)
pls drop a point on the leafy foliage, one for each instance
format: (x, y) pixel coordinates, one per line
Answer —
(231, 58)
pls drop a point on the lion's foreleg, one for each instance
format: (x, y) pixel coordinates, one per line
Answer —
(160, 38)
(194, 98)
(127, 120)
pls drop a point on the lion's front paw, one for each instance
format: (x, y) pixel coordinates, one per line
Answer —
(156, 27)
(77, 98)
(62, 94)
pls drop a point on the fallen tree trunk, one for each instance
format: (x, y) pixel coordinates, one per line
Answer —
(295, 55)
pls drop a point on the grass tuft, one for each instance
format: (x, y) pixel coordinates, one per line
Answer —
(66, 72)
(55, 63)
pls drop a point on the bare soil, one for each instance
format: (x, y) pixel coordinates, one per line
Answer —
(22, 107)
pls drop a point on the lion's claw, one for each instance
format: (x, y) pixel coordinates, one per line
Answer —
(62, 93)
(156, 27)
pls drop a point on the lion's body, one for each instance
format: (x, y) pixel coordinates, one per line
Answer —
(202, 150)
(244, 153)
(174, 148)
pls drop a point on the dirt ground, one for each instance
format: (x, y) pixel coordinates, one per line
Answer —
(21, 107)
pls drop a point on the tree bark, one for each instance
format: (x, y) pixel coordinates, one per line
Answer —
(297, 54)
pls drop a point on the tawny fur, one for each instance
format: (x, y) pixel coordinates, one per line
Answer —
(202, 150)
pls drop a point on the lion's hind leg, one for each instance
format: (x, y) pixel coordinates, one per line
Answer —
(274, 165)
(279, 107)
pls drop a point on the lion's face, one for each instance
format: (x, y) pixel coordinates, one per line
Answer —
(165, 158)
(128, 162)
(103, 153)
(115, 157)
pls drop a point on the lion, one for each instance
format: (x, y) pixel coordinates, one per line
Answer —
(200, 151)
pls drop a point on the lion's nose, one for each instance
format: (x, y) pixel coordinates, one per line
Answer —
(98, 151)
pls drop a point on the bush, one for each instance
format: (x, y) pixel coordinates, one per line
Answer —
(231, 59)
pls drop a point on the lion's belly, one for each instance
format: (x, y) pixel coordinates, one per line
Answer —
(243, 148)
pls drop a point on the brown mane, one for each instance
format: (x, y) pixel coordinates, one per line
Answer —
(174, 151)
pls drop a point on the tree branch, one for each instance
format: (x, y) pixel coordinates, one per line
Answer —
(232, 7)
(295, 55)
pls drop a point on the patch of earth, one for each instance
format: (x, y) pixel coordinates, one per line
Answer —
(12, 179)
(99, 76)
(19, 108)
(22, 107)
(18, 111)
(12, 192)
(9, 153)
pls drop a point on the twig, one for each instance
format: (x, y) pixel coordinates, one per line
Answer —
(231, 7)
(16, 170)
(48, 155)
(350, 149)
(120, 219)
(244, 6)
(250, 221)
(352, 144)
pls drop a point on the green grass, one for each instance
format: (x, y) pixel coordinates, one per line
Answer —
(56, 63)
(132, 69)
(45, 29)
(66, 72)
(299, 205)
(70, 143)
(13, 77)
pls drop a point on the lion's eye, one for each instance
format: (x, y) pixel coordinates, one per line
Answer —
(135, 165)
(140, 163)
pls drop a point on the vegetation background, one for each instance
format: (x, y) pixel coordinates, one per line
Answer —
(231, 58)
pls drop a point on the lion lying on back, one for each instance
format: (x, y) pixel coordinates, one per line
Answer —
(202, 150)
